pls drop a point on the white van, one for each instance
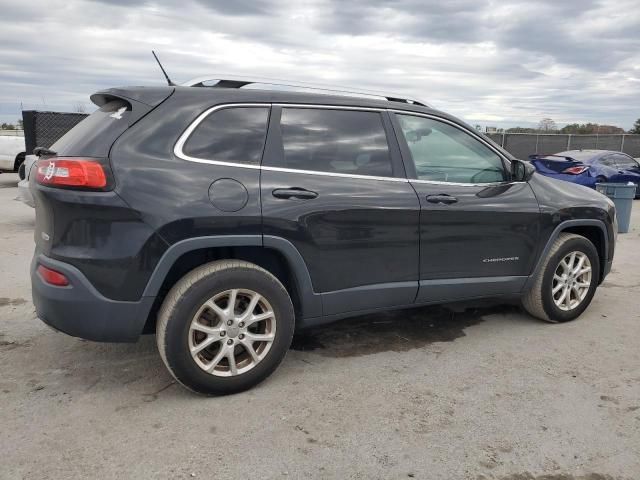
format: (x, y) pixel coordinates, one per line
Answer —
(12, 152)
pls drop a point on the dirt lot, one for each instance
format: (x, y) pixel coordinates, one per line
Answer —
(489, 393)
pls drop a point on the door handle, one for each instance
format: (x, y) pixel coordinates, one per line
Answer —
(294, 192)
(442, 199)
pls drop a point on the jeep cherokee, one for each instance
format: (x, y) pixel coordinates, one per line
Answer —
(224, 218)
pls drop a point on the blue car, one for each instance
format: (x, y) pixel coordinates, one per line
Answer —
(588, 167)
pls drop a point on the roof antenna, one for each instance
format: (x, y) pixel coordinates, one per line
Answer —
(169, 82)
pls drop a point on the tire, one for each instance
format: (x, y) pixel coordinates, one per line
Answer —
(601, 179)
(21, 171)
(19, 161)
(539, 300)
(197, 301)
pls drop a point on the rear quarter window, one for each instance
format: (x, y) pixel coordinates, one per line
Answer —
(235, 134)
(608, 162)
(94, 135)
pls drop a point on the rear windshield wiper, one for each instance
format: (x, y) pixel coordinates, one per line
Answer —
(39, 151)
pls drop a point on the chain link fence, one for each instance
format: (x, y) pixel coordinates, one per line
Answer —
(43, 129)
(521, 145)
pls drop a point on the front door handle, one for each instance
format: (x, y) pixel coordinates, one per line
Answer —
(294, 192)
(442, 199)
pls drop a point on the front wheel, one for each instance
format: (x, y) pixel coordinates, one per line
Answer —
(566, 282)
(225, 327)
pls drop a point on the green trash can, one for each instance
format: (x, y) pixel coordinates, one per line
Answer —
(622, 195)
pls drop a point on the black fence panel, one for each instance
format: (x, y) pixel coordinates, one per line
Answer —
(43, 129)
(632, 145)
(520, 146)
(548, 144)
(610, 142)
(496, 137)
(581, 142)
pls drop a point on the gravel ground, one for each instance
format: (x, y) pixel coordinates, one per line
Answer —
(486, 394)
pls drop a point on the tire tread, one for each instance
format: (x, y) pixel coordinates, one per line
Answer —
(177, 292)
(532, 299)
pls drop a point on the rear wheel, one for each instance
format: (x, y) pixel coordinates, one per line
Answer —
(225, 327)
(601, 179)
(19, 161)
(566, 282)
(21, 171)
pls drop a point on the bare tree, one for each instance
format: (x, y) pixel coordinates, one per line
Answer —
(79, 107)
(547, 125)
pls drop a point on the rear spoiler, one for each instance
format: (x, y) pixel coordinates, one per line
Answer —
(150, 96)
(537, 156)
(140, 100)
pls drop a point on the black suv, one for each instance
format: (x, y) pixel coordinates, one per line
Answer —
(224, 218)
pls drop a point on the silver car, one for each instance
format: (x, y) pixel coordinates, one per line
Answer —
(24, 194)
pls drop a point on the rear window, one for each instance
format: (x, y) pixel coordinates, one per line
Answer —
(94, 135)
(336, 141)
(230, 135)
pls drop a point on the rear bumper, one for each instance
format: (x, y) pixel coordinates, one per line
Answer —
(607, 268)
(24, 194)
(81, 311)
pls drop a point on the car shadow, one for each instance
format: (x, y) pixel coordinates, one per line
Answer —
(398, 331)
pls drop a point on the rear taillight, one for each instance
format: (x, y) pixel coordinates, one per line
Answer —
(52, 277)
(71, 172)
(576, 170)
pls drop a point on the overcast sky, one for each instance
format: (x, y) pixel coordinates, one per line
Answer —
(496, 63)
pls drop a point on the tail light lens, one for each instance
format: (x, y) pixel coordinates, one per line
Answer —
(84, 173)
(576, 170)
(52, 277)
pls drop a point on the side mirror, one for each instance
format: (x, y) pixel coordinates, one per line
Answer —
(416, 135)
(521, 171)
(423, 132)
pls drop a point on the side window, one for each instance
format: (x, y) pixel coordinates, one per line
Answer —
(445, 153)
(608, 161)
(625, 162)
(336, 141)
(234, 134)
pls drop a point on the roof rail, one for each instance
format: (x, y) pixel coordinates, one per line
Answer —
(235, 81)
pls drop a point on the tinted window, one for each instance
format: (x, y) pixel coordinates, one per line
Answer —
(94, 135)
(230, 135)
(445, 153)
(340, 141)
(625, 162)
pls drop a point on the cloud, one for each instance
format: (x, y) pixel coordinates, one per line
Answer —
(505, 63)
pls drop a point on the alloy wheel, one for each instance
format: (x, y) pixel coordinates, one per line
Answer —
(571, 281)
(232, 332)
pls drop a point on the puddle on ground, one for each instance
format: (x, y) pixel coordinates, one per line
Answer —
(11, 301)
(397, 331)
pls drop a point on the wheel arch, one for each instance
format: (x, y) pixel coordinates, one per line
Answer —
(20, 157)
(592, 229)
(274, 254)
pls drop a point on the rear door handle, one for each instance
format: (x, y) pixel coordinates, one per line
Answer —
(442, 199)
(294, 192)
